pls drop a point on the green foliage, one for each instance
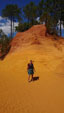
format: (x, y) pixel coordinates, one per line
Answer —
(4, 43)
(22, 27)
(25, 26)
(30, 12)
(12, 12)
(40, 8)
(49, 11)
(52, 13)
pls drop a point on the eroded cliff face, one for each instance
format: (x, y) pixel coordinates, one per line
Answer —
(32, 36)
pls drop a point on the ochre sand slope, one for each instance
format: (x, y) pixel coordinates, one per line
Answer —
(32, 36)
(45, 95)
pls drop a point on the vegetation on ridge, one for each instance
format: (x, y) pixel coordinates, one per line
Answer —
(51, 12)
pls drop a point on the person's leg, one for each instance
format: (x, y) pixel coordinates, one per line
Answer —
(32, 76)
(28, 77)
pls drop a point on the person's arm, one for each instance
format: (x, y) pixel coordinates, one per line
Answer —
(27, 67)
(34, 68)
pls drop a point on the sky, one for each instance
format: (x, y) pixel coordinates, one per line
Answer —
(5, 24)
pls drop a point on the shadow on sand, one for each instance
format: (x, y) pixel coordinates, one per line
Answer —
(35, 78)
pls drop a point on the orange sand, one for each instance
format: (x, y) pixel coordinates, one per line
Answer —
(45, 95)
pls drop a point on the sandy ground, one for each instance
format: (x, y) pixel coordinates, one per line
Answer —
(45, 95)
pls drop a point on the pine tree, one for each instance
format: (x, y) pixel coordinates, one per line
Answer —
(30, 12)
(11, 12)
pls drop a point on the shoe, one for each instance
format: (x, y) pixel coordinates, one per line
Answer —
(32, 79)
(29, 80)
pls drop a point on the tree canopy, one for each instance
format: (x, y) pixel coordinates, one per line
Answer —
(49, 11)
(12, 12)
(30, 12)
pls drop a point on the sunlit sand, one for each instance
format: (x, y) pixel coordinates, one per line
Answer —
(44, 95)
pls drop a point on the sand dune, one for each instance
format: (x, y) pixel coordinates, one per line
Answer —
(45, 95)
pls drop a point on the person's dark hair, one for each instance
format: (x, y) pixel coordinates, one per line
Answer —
(31, 61)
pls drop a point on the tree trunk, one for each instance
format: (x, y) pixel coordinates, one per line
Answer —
(28, 20)
(32, 21)
(11, 27)
(60, 28)
(63, 28)
(46, 26)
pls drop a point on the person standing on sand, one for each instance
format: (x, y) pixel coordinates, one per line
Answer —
(30, 69)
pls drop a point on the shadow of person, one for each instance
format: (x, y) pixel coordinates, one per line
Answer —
(35, 78)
